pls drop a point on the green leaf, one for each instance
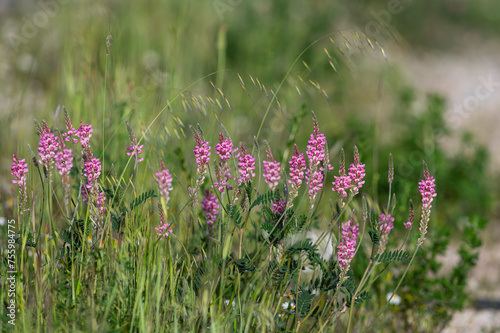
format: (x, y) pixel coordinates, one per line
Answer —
(388, 256)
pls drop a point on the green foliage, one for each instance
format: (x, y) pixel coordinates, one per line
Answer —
(434, 297)
(304, 299)
(265, 199)
(396, 255)
(141, 199)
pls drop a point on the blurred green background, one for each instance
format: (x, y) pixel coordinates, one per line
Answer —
(389, 77)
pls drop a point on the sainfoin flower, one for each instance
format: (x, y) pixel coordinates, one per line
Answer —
(224, 149)
(246, 165)
(202, 154)
(19, 170)
(210, 207)
(411, 216)
(347, 247)
(83, 135)
(352, 181)
(164, 179)
(357, 173)
(70, 130)
(134, 149)
(91, 192)
(164, 229)
(64, 163)
(47, 148)
(316, 155)
(297, 172)
(386, 222)
(271, 170)
(426, 188)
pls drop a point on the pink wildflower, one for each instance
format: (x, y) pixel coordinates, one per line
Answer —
(297, 171)
(271, 170)
(279, 206)
(135, 149)
(211, 208)
(386, 223)
(164, 229)
(164, 180)
(70, 130)
(83, 135)
(357, 173)
(47, 148)
(426, 188)
(347, 247)
(64, 163)
(91, 192)
(411, 217)
(224, 149)
(202, 154)
(19, 170)
(316, 154)
(246, 165)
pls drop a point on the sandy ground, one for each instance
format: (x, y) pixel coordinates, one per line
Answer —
(470, 80)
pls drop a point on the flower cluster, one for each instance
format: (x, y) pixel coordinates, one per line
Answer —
(224, 149)
(297, 171)
(134, 149)
(83, 135)
(164, 180)
(271, 170)
(347, 247)
(246, 165)
(64, 163)
(202, 154)
(411, 217)
(19, 170)
(386, 223)
(316, 154)
(352, 181)
(356, 173)
(210, 206)
(164, 229)
(426, 188)
(90, 191)
(47, 148)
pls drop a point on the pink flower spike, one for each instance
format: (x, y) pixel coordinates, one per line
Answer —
(316, 154)
(47, 148)
(297, 172)
(386, 223)
(83, 135)
(426, 188)
(64, 161)
(356, 173)
(411, 216)
(135, 149)
(211, 208)
(246, 166)
(271, 170)
(164, 180)
(19, 170)
(163, 230)
(70, 130)
(202, 154)
(347, 247)
(224, 148)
